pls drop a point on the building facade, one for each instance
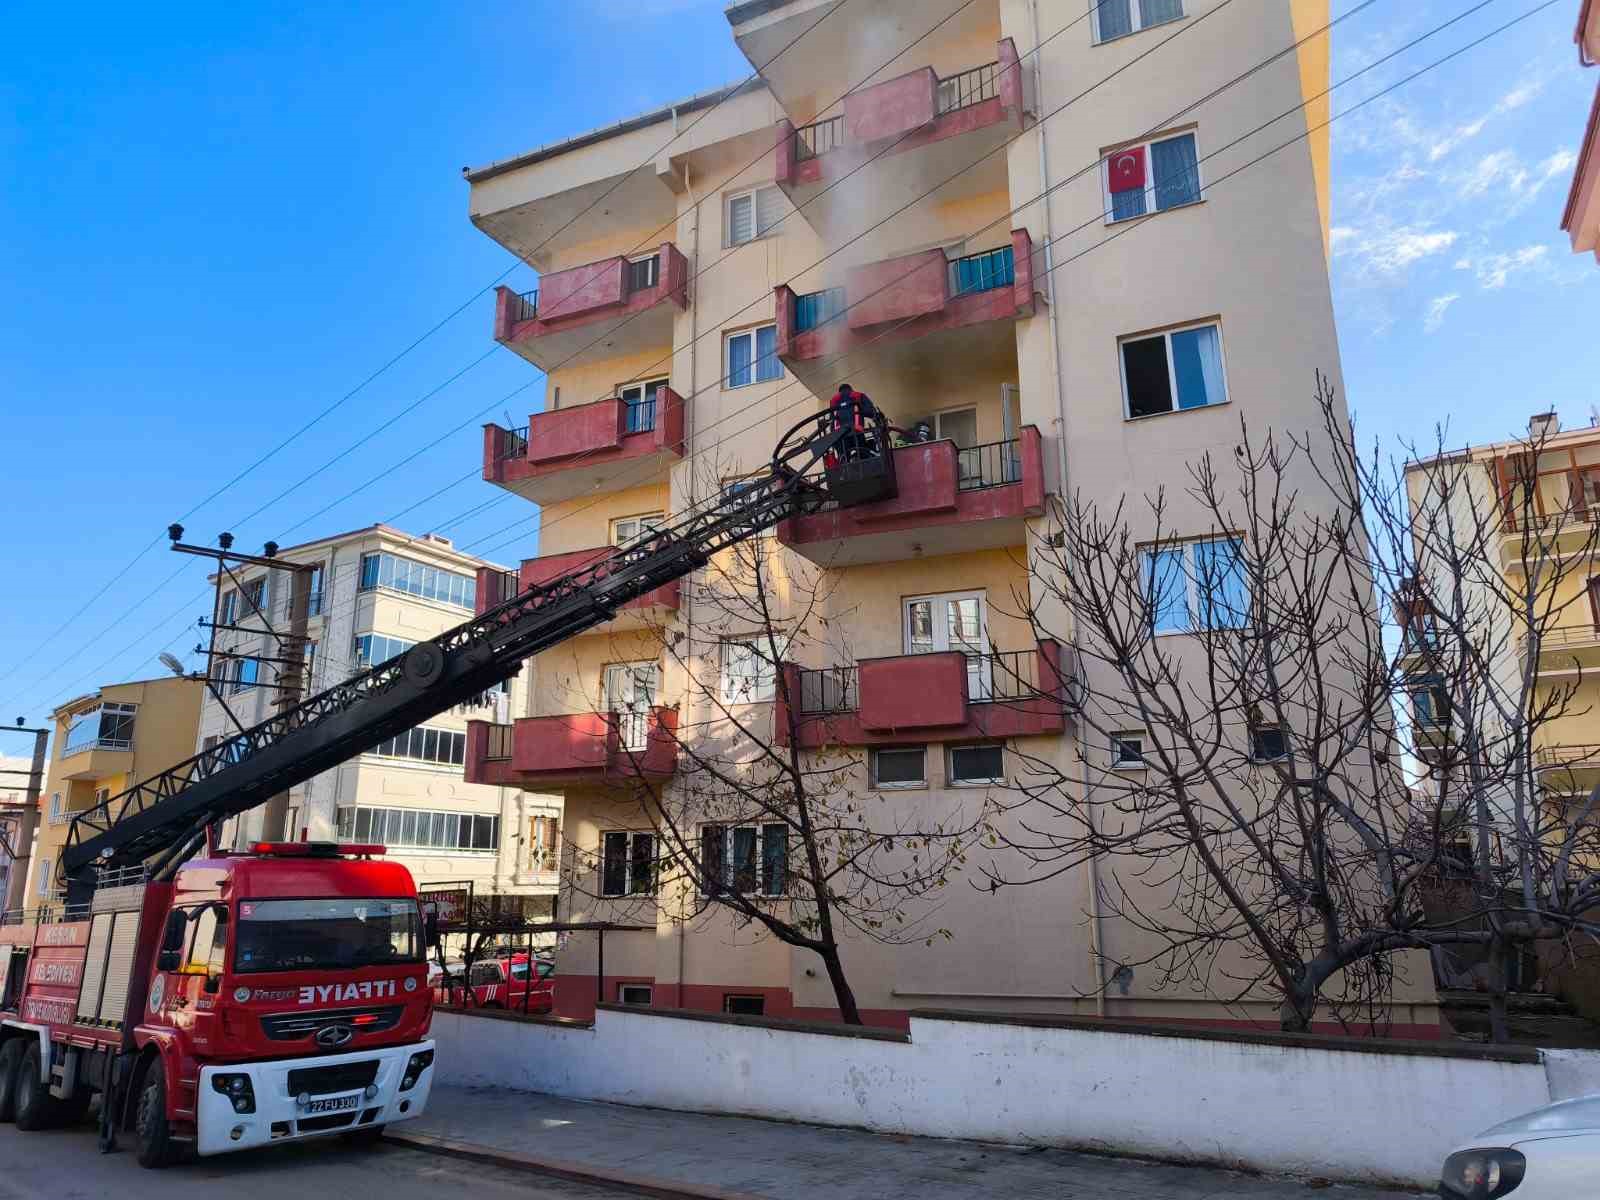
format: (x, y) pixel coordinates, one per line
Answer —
(103, 743)
(372, 594)
(1582, 217)
(1079, 289)
(13, 799)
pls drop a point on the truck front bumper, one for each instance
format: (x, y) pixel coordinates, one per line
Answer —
(293, 1099)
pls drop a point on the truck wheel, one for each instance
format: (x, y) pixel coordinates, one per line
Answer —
(10, 1058)
(35, 1107)
(156, 1147)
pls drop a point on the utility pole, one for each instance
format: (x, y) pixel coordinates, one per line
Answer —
(290, 658)
(22, 852)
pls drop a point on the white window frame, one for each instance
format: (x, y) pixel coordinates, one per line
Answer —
(627, 864)
(979, 678)
(950, 771)
(733, 688)
(760, 828)
(749, 331)
(1136, 13)
(642, 523)
(1119, 762)
(42, 888)
(757, 232)
(893, 786)
(1193, 608)
(633, 714)
(636, 391)
(1150, 209)
(649, 994)
(1172, 371)
(58, 813)
(653, 255)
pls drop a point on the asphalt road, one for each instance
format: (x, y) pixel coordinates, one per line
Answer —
(63, 1164)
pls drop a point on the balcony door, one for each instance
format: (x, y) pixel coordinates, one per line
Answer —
(639, 405)
(630, 690)
(952, 621)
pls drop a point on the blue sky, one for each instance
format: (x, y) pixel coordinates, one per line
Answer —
(216, 222)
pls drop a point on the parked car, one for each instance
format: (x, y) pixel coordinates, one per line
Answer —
(501, 981)
(1550, 1153)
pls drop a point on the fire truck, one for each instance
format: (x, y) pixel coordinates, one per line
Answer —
(220, 1001)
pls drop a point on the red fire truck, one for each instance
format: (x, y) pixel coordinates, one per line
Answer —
(265, 997)
(239, 1000)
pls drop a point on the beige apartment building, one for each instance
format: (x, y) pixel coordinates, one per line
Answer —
(1581, 218)
(374, 593)
(1078, 293)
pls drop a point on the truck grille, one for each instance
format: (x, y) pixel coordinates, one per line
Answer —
(291, 1027)
(343, 1077)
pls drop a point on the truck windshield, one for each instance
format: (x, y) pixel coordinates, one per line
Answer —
(298, 935)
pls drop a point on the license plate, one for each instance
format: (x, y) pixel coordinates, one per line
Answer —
(332, 1104)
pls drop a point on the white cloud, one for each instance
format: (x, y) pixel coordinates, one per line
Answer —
(1494, 271)
(1388, 250)
(1437, 307)
(1503, 176)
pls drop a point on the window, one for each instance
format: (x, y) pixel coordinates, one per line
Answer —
(423, 828)
(1127, 750)
(749, 676)
(745, 858)
(627, 864)
(898, 766)
(314, 586)
(1268, 744)
(976, 765)
(644, 273)
(752, 357)
(1196, 585)
(243, 674)
(209, 946)
(1117, 18)
(1172, 371)
(744, 1006)
(629, 691)
(230, 608)
(104, 727)
(424, 744)
(44, 877)
(753, 214)
(484, 974)
(1151, 177)
(393, 573)
(628, 529)
(544, 843)
(57, 813)
(1430, 703)
(311, 663)
(951, 621)
(374, 649)
(639, 405)
(634, 993)
(255, 596)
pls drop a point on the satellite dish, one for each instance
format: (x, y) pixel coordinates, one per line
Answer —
(173, 664)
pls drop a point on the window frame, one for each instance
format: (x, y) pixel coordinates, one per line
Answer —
(629, 857)
(766, 689)
(877, 784)
(725, 866)
(1195, 603)
(1166, 334)
(1434, 688)
(657, 521)
(950, 777)
(753, 332)
(1119, 761)
(649, 995)
(757, 233)
(1256, 755)
(729, 998)
(1107, 197)
(1135, 12)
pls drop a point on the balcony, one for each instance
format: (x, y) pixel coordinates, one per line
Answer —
(612, 307)
(496, 586)
(900, 313)
(1568, 650)
(586, 449)
(911, 134)
(943, 697)
(1561, 534)
(1571, 768)
(950, 501)
(574, 750)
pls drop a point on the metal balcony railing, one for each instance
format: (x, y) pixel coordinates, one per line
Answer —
(968, 88)
(1582, 755)
(818, 308)
(643, 274)
(639, 416)
(516, 443)
(499, 748)
(1001, 677)
(983, 271)
(829, 690)
(818, 138)
(992, 464)
(525, 305)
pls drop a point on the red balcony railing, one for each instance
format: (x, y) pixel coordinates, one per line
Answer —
(574, 749)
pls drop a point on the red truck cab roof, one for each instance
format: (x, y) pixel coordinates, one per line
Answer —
(291, 876)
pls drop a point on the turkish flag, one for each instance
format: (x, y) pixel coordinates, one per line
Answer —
(1126, 169)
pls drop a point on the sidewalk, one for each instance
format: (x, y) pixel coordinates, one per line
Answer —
(736, 1158)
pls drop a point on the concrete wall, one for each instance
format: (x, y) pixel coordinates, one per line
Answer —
(1320, 1107)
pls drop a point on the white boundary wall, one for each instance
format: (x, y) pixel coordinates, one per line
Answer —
(1348, 1114)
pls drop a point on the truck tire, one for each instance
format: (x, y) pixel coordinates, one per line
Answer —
(35, 1107)
(154, 1135)
(10, 1059)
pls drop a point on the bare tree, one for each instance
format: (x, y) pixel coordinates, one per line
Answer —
(1248, 728)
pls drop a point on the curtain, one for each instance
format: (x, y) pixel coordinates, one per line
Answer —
(741, 220)
(1153, 12)
(739, 360)
(1127, 204)
(1197, 359)
(769, 209)
(1177, 171)
(767, 364)
(774, 859)
(1115, 18)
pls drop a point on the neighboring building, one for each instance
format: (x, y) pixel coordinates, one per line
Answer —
(375, 592)
(683, 319)
(1582, 217)
(13, 799)
(103, 744)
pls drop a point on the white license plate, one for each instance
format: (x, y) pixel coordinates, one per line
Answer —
(332, 1104)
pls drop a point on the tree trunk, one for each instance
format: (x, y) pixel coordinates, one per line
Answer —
(1294, 1014)
(848, 1012)
(1499, 1029)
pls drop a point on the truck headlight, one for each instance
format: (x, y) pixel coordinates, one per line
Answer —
(417, 1064)
(1482, 1174)
(237, 1089)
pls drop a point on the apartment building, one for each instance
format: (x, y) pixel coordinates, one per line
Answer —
(13, 799)
(914, 197)
(102, 744)
(1581, 220)
(371, 594)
